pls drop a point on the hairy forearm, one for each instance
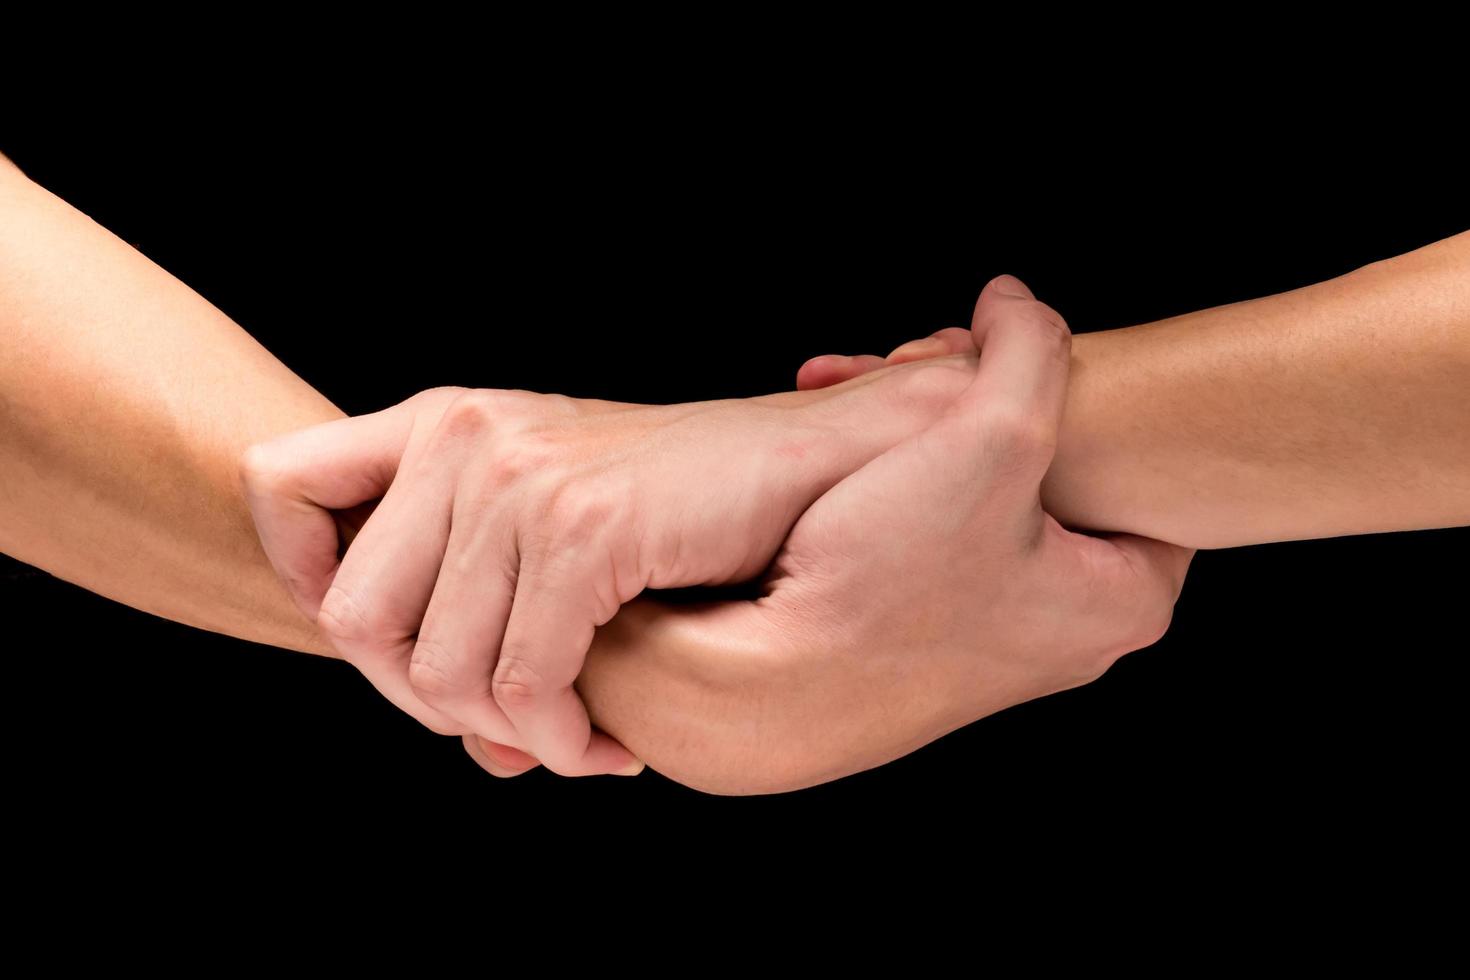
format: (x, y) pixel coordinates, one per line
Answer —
(1339, 408)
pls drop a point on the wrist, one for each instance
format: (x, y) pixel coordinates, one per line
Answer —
(1108, 473)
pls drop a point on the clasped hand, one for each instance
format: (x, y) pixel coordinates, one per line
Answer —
(912, 581)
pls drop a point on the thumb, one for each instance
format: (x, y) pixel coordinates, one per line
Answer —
(1000, 434)
(293, 482)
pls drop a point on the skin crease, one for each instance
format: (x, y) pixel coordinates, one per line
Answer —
(128, 401)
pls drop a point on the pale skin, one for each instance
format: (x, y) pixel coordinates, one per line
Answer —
(128, 402)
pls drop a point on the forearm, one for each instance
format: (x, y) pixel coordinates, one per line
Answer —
(125, 402)
(1339, 408)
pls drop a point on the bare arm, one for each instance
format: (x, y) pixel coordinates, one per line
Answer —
(1339, 408)
(125, 402)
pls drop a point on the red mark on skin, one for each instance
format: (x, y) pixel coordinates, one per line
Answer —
(792, 450)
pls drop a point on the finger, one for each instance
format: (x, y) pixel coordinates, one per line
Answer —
(831, 369)
(996, 440)
(293, 482)
(552, 620)
(1014, 406)
(454, 656)
(388, 678)
(950, 340)
(377, 598)
(507, 756)
(1002, 287)
(498, 760)
(916, 350)
(957, 340)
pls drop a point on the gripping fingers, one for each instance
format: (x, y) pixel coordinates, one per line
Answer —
(1020, 389)
(831, 369)
(454, 656)
(498, 760)
(378, 596)
(293, 483)
(950, 340)
(996, 440)
(552, 621)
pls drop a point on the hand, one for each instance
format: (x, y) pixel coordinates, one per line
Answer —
(514, 524)
(924, 591)
(829, 369)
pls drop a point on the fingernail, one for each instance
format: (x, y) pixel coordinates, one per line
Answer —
(631, 769)
(1011, 286)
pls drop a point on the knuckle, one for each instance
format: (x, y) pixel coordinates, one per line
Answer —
(434, 402)
(517, 684)
(342, 617)
(474, 412)
(434, 675)
(512, 454)
(520, 456)
(575, 511)
(510, 465)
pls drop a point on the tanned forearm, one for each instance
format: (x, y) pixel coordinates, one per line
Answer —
(126, 400)
(1339, 408)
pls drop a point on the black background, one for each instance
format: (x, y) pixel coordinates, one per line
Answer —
(649, 250)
